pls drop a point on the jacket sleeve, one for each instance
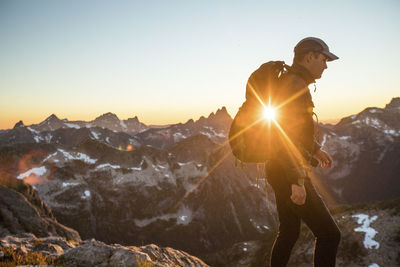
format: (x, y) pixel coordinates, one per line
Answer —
(316, 147)
(298, 126)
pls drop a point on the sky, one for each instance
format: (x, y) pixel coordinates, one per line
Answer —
(170, 61)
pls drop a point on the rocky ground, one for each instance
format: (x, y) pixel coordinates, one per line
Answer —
(370, 237)
(29, 234)
(60, 251)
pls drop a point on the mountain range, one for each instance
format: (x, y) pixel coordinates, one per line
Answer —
(121, 181)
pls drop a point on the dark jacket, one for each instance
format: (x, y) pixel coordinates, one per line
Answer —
(296, 120)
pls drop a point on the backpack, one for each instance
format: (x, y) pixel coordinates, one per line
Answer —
(252, 138)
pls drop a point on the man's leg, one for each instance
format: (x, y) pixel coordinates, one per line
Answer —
(289, 230)
(317, 217)
(289, 221)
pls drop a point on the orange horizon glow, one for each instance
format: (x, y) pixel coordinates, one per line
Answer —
(326, 113)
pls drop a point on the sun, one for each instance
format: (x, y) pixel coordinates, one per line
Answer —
(269, 113)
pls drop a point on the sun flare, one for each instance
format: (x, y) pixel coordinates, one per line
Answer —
(269, 113)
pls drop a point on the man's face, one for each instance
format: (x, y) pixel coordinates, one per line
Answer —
(317, 65)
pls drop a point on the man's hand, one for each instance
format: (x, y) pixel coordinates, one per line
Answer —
(324, 158)
(298, 194)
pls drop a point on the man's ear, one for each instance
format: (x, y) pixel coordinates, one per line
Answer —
(308, 57)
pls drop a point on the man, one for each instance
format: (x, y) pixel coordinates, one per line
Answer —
(296, 197)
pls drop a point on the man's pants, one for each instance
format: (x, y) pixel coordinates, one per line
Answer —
(314, 213)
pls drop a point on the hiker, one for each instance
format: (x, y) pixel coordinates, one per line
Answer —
(296, 198)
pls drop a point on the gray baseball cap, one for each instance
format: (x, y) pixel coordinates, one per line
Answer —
(314, 44)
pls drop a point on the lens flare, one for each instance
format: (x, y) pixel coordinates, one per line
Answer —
(269, 113)
(32, 170)
(294, 154)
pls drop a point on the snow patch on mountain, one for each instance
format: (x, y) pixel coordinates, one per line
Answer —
(259, 226)
(67, 184)
(374, 110)
(183, 216)
(38, 171)
(86, 194)
(37, 138)
(51, 157)
(137, 168)
(392, 132)
(178, 136)
(108, 165)
(77, 156)
(72, 125)
(188, 170)
(157, 173)
(32, 130)
(95, 135)
(48, 137)
(158, 167)
(376, 124)
(212, 133)
(373, 122)
(123, 125)
(365, 227)
(323, 140)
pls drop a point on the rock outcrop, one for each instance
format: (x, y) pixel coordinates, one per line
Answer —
(19, 215)
(29, 230)
(95, 253)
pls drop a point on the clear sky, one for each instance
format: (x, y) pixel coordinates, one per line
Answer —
(169, 61)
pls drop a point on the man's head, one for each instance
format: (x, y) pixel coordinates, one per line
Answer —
(313, 53)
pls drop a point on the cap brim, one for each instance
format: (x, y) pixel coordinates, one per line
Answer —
(330, 55)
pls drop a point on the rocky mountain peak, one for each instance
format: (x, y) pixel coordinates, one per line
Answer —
(51, 123)
(394, 103)
(133, 120)
(218, 118)
(19, 124)
(223, 113)
(52, 118)
(108, 117)
(190, 122)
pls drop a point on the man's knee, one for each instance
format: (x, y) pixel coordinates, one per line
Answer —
(332, 235)
(290, 234)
